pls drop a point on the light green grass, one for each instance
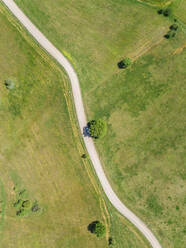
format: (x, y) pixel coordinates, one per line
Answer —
(41, 155)
(38, 153)
(143, 152)
(159, 3)
(178, 7)
(97, 34)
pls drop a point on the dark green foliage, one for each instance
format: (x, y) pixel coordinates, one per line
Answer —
(20, 212)
(170, 34)
(97, 128)
(97, 228)
(167, 12)
(124, 63)
(84, 155)
(160, 11)
(25, 207)
(111, 242)
(177, 207)
(26, 204)
(18, 203)
(174, 27)
(167, 36)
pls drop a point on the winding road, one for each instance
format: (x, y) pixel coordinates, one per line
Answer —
(58, 56)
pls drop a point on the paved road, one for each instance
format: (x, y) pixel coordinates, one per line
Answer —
(47, 45)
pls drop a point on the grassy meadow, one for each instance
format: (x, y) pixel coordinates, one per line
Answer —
(143, 153)
(144, 150)
(178, 7)
(40, 156)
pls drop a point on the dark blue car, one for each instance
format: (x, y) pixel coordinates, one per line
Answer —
(86, 131)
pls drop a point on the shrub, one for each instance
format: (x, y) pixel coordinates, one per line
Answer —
(84, 156)
(174, 27)
(124, 63)
(20, 212)
(170, 34)
(18, 203)
(167, 36)
(110, 241)
(26, 204)
(97, 228)
(160, 11)
(9, 83)
(35, 207)
(167, 12)
(97, 128)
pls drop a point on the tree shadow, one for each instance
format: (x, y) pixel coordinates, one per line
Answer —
(91, 226)
(110, 240)
(121, 65)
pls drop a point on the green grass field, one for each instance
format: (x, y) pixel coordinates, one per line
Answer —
(178, 7)
(144, 150)
(40, 153)
(143, 153)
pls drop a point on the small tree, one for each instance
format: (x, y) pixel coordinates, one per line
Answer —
(167, 12)
(20, 212)
(26, 204)
(167, 36)
(84, 155)
(160, 11)
(174, 27)
(97, 228)
(9, 83)
(97, 128)
(110, 241)
(124, 63)
(170, 34)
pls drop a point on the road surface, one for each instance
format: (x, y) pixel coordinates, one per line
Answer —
(56, 54)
